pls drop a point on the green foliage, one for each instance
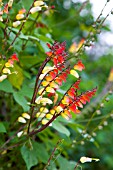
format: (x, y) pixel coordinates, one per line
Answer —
(30, 157)
(88, 133)
(2, 128)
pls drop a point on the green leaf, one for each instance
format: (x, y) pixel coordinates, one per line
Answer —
(16, 79)
(65, 164)
(26, 5)
(29, 156)
(22, 36)
(32, 38)
(2, 128)
(41, 152)
(26, 90)
(29, 61)
(1, 33)
(60, 128)
(6, 86)
(20, 99)
(2, 25)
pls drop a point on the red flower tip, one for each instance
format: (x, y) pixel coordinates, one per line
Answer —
(14, 57)
(49, 53)
(53, 7)
(6, 9)
(49, 46)
(79, 66)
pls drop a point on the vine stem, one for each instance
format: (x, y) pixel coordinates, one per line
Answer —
(35, 91)
(77, 165)
(52, 154)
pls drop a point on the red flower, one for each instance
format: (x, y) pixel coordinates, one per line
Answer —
(6, 9)
(14, 57)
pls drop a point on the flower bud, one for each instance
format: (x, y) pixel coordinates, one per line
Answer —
(10, 3)
(35, 9)
(1, 19)
(16, 23)
(38, 3)
(19, 16)
(3, 77)
(6, 71)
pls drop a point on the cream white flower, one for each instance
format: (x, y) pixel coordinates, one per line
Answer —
(87, 159)
(35, 9)
(21, 120)
(16, 23)
(10, 3)
(3, 77)
(19, 134)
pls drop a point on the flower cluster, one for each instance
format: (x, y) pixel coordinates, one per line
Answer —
(19, 17)
(7, 67)
(4, 8)
(38, 5)
(48, 106)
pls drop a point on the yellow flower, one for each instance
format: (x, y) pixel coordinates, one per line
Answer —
(40, 91)
(8, 64)
(59, 109)
(45, 83)
(39, 114)
(65, 116)
(38, 3)
(6, 70)
(26, 115)
(53, 84)
(49, 116)
(74, 73)
(44, 109)
(44, 121)
(50, 89)
(19, 16)
(52, 111)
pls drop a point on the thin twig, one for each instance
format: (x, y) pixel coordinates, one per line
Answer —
(77, 165)
(52, 154)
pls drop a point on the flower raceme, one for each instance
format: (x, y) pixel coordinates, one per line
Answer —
(7, 67)
(53, 77)
(48, 106)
